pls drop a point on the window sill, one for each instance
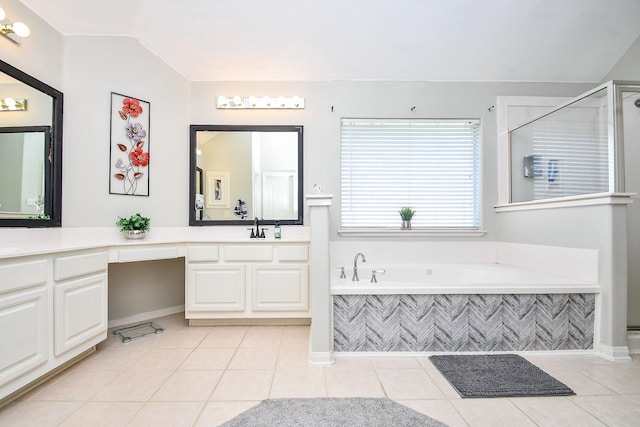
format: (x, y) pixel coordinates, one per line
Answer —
(568, 202)
(416, 232)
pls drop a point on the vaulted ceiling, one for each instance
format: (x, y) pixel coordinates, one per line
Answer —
(433, 40)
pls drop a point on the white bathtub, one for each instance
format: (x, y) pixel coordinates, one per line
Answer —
(442, 278)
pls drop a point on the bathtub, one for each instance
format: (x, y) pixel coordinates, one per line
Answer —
(462, 307)
(451, 278)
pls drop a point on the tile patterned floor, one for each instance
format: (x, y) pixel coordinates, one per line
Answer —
(203, 376)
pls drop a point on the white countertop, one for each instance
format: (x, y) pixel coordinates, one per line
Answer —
(17, 242)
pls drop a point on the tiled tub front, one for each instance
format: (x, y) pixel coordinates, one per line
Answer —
(445, 323)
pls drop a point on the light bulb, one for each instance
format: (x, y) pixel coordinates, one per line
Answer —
(237, 100)
(2, 14)
(10, 103)
(21, 29)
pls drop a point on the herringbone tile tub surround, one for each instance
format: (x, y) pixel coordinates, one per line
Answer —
(507, 322)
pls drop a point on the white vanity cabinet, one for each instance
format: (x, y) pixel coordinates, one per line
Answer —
(24, 313)
(53, 308)
(79, 300)
(216, 288)
(247, 283)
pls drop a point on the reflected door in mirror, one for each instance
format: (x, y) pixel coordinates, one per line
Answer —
(24, 171)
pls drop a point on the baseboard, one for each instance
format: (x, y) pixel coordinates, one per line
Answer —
(614, 354)
(633, 342)
(46, 377)
(255, 321)
(416, 354)
(141, 317)
(321, 358)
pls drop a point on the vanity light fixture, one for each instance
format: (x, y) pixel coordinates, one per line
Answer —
(260, 102)
(15, 31)
(13, 104)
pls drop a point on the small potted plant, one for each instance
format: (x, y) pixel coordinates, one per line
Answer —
(406, 213)
(134, 227)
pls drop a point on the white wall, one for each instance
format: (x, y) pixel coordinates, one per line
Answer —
(599, 227)
(93, 68)
(143, 287)
(87, 69)
(628, 67)
(39, 55)
(632, 183)
(369, 99)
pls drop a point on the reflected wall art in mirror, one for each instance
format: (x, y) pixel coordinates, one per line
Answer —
(30, 152)
(239, 173)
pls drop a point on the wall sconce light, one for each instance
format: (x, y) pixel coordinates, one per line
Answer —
(12, 104)
(260, 102)
(14, 31)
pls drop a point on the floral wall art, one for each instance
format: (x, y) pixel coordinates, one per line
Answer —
(129, 146)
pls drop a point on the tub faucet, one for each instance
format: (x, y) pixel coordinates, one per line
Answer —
(355, 266)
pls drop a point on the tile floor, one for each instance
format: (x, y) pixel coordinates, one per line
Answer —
(203, 376)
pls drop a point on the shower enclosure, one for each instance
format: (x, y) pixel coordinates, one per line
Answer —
(588, 145)
(579, 147)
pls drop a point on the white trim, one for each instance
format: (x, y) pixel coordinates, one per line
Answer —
(319, 199)
(614, 354)
(419, 354)
(141, 317)
(570, 201)
(321, 358)
(346, 287)
(633, 342)
(389, 232)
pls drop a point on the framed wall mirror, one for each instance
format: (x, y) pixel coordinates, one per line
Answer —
(239, 173)
(30, 151)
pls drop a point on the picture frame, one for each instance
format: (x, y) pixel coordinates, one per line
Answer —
(129, 146)
(218, 185)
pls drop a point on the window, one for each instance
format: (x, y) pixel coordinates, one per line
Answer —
(433, 166)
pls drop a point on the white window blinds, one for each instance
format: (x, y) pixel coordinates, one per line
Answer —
(575, 158)
(433, 166)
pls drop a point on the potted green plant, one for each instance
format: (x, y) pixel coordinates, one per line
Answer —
(406, 213)
(134, 227)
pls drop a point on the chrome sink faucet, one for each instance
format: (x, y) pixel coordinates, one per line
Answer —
(355, 266)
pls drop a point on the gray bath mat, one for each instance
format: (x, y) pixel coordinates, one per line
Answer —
(329, 412)
(497, 375)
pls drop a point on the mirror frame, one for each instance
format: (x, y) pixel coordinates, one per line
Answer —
(193, 160)
(53, 203)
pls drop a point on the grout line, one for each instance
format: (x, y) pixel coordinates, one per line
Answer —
(600, 371)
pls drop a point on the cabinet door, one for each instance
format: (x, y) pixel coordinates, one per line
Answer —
(279, 287)
(215, 288)
(23, 332)
(80, 311)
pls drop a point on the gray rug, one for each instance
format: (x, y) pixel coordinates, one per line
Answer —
(329, 412)
(497, 375)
